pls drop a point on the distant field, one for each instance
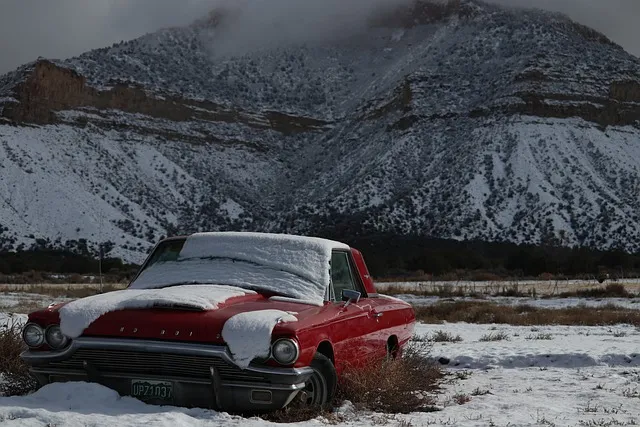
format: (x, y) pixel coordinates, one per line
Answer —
(541, 287)
(527, 287)
(32, 287)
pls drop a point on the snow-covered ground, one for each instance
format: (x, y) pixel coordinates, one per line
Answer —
(544, 375)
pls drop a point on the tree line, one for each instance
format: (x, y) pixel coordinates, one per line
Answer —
(387, 255)
(392, 256)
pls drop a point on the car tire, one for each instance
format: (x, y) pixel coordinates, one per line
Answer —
(320, 388)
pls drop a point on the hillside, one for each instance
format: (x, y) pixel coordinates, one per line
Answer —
(460, 120)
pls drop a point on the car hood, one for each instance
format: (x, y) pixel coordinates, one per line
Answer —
(181, 322)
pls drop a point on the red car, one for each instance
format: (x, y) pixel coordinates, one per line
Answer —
(241, 322)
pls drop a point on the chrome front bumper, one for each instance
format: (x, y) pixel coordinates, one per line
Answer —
(202, 375)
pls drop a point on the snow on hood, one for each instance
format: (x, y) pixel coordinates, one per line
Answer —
(77, 315)
(248, 334)
(295, 266)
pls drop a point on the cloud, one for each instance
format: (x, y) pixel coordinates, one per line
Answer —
(63, 28)
(259, 24)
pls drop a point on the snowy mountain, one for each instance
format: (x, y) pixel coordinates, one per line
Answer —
(457, 120)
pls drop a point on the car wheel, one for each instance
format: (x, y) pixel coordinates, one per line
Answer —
(320, 388)
(393, 349)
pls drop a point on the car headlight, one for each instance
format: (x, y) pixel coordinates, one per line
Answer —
(55, 338)
(285, 351)
(33, 335)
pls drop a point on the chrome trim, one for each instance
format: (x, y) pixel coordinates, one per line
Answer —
(261, 386)
(152, 346)
(41, 329)
(295, 344)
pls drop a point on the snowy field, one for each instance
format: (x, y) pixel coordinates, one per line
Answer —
(533, 376)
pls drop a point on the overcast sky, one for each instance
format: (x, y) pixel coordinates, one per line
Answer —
(63, 28)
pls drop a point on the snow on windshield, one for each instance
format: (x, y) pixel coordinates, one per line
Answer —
(294, 266)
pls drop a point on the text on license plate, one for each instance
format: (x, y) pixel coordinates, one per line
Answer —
(145, 389)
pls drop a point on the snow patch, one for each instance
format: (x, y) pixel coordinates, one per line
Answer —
(248, 335)
(76, 316)
(232, 208)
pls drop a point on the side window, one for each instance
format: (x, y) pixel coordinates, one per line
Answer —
(341, 277)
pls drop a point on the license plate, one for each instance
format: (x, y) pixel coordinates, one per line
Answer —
(152, 390)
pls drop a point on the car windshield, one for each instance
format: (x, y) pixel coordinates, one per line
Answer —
(171, 264)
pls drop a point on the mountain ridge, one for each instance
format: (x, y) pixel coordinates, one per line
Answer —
(467, 121)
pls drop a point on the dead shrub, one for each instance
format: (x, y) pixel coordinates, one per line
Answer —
(443, 336)
(495, 336)
(16, 379)
(461, 398)
(402, 385)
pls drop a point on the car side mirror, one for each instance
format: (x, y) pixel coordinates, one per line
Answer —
(349, 296)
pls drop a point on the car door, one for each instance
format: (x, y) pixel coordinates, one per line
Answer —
(355, 330)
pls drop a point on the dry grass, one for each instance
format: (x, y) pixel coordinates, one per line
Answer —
(515, 288)
(611, 290)
(487, 312)
(15, 373)
(62, 291)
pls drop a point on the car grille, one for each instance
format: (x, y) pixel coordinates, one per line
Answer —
(140, 363)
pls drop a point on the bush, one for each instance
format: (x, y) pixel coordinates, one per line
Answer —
(402, 385)
(16, 379)
(442, 336)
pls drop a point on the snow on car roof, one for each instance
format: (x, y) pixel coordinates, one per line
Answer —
(296, 266)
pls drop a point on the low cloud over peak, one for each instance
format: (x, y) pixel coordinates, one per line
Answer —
(32, 28)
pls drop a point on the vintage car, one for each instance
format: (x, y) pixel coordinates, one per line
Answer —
(241, 322)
